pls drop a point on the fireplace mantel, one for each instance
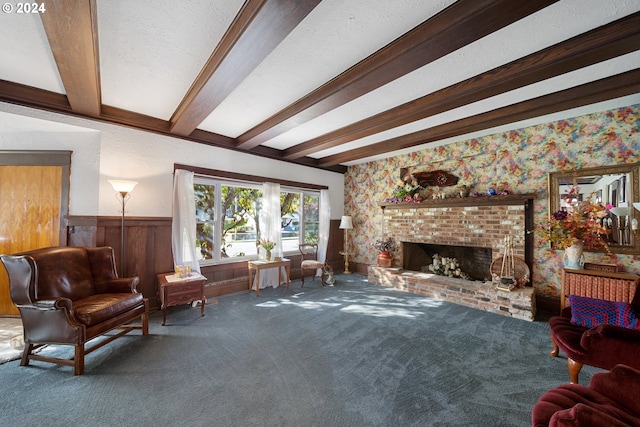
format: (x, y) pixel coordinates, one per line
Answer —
(510, 199)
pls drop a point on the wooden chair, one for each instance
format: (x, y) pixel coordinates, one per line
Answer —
(310, 261)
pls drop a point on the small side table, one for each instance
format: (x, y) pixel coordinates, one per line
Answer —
(174, 290)
(258, 265)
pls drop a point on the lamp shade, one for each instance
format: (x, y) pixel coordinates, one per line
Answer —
(122, 186)
(346, 223)
(637, 205)
(620, 211)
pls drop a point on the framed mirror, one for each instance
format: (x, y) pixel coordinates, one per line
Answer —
(618, 186)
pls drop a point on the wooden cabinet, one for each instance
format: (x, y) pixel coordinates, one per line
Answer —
(612, 286)
(173, 291)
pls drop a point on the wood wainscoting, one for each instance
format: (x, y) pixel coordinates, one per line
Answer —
(148, 252)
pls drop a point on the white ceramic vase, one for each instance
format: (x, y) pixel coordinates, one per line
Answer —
(574, 256)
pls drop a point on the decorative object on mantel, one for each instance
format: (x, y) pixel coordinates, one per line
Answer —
(405, 193)
(346, 224)
(385, 247)
(581, 227)
(491, 192)
(444, 266)
(508, 199)
(437, 178)
(268, 246)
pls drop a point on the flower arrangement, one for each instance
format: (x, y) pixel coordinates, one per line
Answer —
(405, 192)
(385, 245)
(583, 223)
(267, 245)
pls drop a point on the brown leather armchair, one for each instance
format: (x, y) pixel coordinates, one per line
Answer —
(70, 295)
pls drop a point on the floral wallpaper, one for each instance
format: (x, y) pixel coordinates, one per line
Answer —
(517, 161)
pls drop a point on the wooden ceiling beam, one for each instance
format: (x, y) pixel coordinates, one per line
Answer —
(601, 90)
(603, 43)
(72, 30)
(17, 93)
(31, 97)
(462, 23)
(258, 28)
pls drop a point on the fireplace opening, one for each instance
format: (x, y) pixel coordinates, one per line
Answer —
(474, 261)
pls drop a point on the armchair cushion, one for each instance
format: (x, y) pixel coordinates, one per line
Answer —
(591, 312)
(309, 263)
(98, 308)
(611, 399)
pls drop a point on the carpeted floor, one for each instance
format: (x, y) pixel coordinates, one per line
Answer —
(354, 354)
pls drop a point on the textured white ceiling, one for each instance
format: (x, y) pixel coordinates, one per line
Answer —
(151, 51)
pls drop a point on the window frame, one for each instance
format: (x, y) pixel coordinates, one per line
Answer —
(218, 183)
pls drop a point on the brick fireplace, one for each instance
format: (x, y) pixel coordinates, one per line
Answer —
(480, 222)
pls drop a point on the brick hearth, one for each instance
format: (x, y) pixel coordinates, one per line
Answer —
(519, 303)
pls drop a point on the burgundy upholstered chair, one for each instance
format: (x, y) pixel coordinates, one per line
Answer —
(611, 399)
(602, 346)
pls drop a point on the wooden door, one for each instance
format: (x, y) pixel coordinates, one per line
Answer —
(30, 217)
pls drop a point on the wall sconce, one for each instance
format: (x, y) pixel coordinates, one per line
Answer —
(123, 192)
(346, 224)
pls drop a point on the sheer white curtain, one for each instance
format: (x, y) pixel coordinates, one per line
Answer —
(183, 224)
(270, 225)
(323, 227)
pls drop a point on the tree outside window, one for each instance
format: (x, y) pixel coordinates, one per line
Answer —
(230, 228)
(311, 214)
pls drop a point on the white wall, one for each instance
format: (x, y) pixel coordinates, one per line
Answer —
(103, 151)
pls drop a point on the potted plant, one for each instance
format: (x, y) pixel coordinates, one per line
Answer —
(385, 247)
(268, 246)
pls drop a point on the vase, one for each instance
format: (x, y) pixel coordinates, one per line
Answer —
(574, 257)
(267, 256)
(384, 259)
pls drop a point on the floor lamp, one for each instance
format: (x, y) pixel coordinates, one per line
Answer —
(123, 192)
(346, 224)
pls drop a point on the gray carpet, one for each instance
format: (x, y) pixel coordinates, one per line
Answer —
(354, 354)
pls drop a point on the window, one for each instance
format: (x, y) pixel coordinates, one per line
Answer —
(311, 209)
(227, 219)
